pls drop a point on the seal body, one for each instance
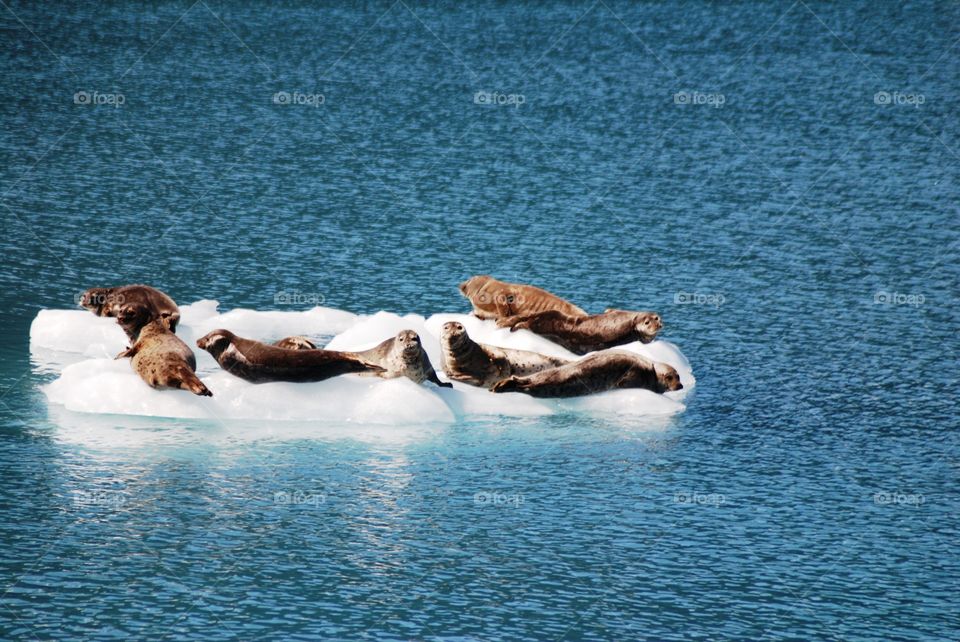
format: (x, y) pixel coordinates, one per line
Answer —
(296, 343)
(403, 356)
(134, 306)
(581, 335)
(260, 363)
(483, 365)
(493, 299)
(608, 370)
(163, 360)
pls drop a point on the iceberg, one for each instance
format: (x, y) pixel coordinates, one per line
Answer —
(79, 347)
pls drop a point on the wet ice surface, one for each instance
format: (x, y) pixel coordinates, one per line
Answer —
(80, 347)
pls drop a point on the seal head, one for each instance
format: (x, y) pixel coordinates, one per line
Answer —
(668, 377)
(216, 342)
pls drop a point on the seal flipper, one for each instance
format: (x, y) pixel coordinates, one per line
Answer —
(189, 381)
(129, 352)
(440, 384)
(531, 321)
(507, 385)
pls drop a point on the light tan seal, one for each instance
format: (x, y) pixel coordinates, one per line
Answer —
(134, 306)
(163, 360)
(403, 356)
(484, 365)
(261, 363)
(608, 370)
(295, 343)
(581, 335)
(493, 299)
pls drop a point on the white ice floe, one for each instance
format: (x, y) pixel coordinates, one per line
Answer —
(80, 347)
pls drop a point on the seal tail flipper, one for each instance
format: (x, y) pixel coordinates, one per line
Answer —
(366, 368)
(190, 381)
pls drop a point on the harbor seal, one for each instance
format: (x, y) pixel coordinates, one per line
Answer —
(296, 343)
(581, 335)
(134, 306)
(260, 363)
(608, 370)
(493, 299)
(403, 356)
(483, 365)
(163, 360)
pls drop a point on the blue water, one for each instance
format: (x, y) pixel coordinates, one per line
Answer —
(809, 492)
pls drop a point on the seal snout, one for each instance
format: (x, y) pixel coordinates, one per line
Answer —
(648, 324)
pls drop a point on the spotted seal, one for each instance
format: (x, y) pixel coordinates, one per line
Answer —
(260, 363)
(607, 370)
(403, 356)
(493, 299)
(581, 335)
(484, 365)
(163, 360)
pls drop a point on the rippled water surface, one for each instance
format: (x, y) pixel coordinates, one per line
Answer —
(778, 180)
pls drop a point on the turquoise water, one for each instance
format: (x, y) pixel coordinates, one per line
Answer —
(778, 180)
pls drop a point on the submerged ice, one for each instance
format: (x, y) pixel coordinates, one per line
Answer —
(81, 348)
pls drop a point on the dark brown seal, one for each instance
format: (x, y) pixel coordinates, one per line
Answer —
(134, 306)
(296, 343)
(493, 299)
(581, 335)
(259, 363)
(484, 365)
(403, 356)
(609, 370)
(163, 360)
